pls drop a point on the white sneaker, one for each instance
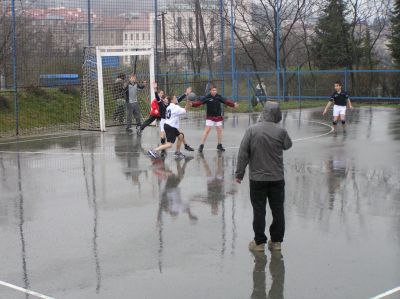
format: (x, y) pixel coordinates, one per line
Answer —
(153, 154)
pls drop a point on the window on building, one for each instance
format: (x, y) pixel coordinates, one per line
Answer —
(179, 28)
(158, 32)
(212, 28)
(137, 36)
(190, 29)
(131, 36)
(126, 36)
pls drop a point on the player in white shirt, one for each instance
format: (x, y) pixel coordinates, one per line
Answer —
(171, 127)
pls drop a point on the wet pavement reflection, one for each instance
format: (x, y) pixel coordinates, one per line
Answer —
(92, 216)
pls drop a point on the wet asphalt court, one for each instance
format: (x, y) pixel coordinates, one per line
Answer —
(92, 216)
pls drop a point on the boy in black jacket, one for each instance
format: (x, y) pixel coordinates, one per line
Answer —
(214, 116)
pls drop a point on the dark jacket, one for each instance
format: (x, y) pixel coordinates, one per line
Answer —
(262, 147)
(213, 103)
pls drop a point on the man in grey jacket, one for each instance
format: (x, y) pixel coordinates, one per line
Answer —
(132, 105)
(262, 149)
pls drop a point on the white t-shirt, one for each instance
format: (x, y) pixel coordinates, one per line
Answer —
(172, 115)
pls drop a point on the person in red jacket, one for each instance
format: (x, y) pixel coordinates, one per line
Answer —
(155, 113)
(214, 116)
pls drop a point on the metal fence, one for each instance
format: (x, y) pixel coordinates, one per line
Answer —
(42, 44)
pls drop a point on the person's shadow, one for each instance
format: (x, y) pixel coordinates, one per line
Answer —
(277, 272)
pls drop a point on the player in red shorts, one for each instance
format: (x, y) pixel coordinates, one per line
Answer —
(214, 116)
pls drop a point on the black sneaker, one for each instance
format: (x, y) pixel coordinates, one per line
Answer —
(201, 147)
(220, 148)
(189, 148)
(128, 129)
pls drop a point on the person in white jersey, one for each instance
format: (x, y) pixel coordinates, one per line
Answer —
(171, 127)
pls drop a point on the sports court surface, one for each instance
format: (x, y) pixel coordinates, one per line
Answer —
(90, 215)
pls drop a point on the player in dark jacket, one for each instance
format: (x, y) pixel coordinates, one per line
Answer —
(214, 118)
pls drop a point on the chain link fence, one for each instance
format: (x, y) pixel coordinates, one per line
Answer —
(42, 46)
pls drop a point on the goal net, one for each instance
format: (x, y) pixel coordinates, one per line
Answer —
(105, 70)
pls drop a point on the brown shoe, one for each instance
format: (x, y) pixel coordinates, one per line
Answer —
(274, 246)
(254, 247)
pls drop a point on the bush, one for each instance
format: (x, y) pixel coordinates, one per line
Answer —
(36, 91)
(70, 90)
(4, 103)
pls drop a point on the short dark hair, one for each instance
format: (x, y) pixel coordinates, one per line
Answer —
(169, 98)
(121, 76)
(338, 83)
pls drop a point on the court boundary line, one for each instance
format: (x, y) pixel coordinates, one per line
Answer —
(114, 153)
(387, 293)
(47, 138)
(26, 291)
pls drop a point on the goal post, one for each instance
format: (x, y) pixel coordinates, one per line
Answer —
(100, 106)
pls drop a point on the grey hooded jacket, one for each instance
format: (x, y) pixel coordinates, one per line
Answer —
(262, 147)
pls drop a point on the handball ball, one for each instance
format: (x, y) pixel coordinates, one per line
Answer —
(192, 96)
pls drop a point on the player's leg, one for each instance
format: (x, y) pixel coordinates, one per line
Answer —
(187, 146)
(136, 113)
(147, 122)
(129, 111)
(218, 127)
(171, 134)
(258, 197)
(336, 113)
(179, 142)
(162, 134)
(343, 118)
(205, 135)
(276, 199)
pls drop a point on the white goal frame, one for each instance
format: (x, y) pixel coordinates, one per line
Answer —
(120, 51)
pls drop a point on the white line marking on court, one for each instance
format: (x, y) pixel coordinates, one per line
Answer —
(114, 153)
(47, 138)
(9, 285)
(388, 293)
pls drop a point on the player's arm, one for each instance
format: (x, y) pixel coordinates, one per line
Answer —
(287, 142)
(228, 102)
(327, 107)
(200, 102)
(182, 97)
(349, 103)
(243, 156)
(142, 86)
(155, 88)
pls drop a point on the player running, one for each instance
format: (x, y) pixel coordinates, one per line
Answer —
(171, 128)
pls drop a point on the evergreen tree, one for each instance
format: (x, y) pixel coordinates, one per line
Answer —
(331, 45)
(395, 36)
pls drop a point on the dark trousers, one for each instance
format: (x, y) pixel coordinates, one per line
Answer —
(274, 193)
(133, 110)
(148, 122)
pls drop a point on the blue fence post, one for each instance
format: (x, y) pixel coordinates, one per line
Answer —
(89, 23)
(221, 13)
(278, 50)
(250, 106)
(299, 86)
(345, 79)
(233, 55)
(14, 62)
